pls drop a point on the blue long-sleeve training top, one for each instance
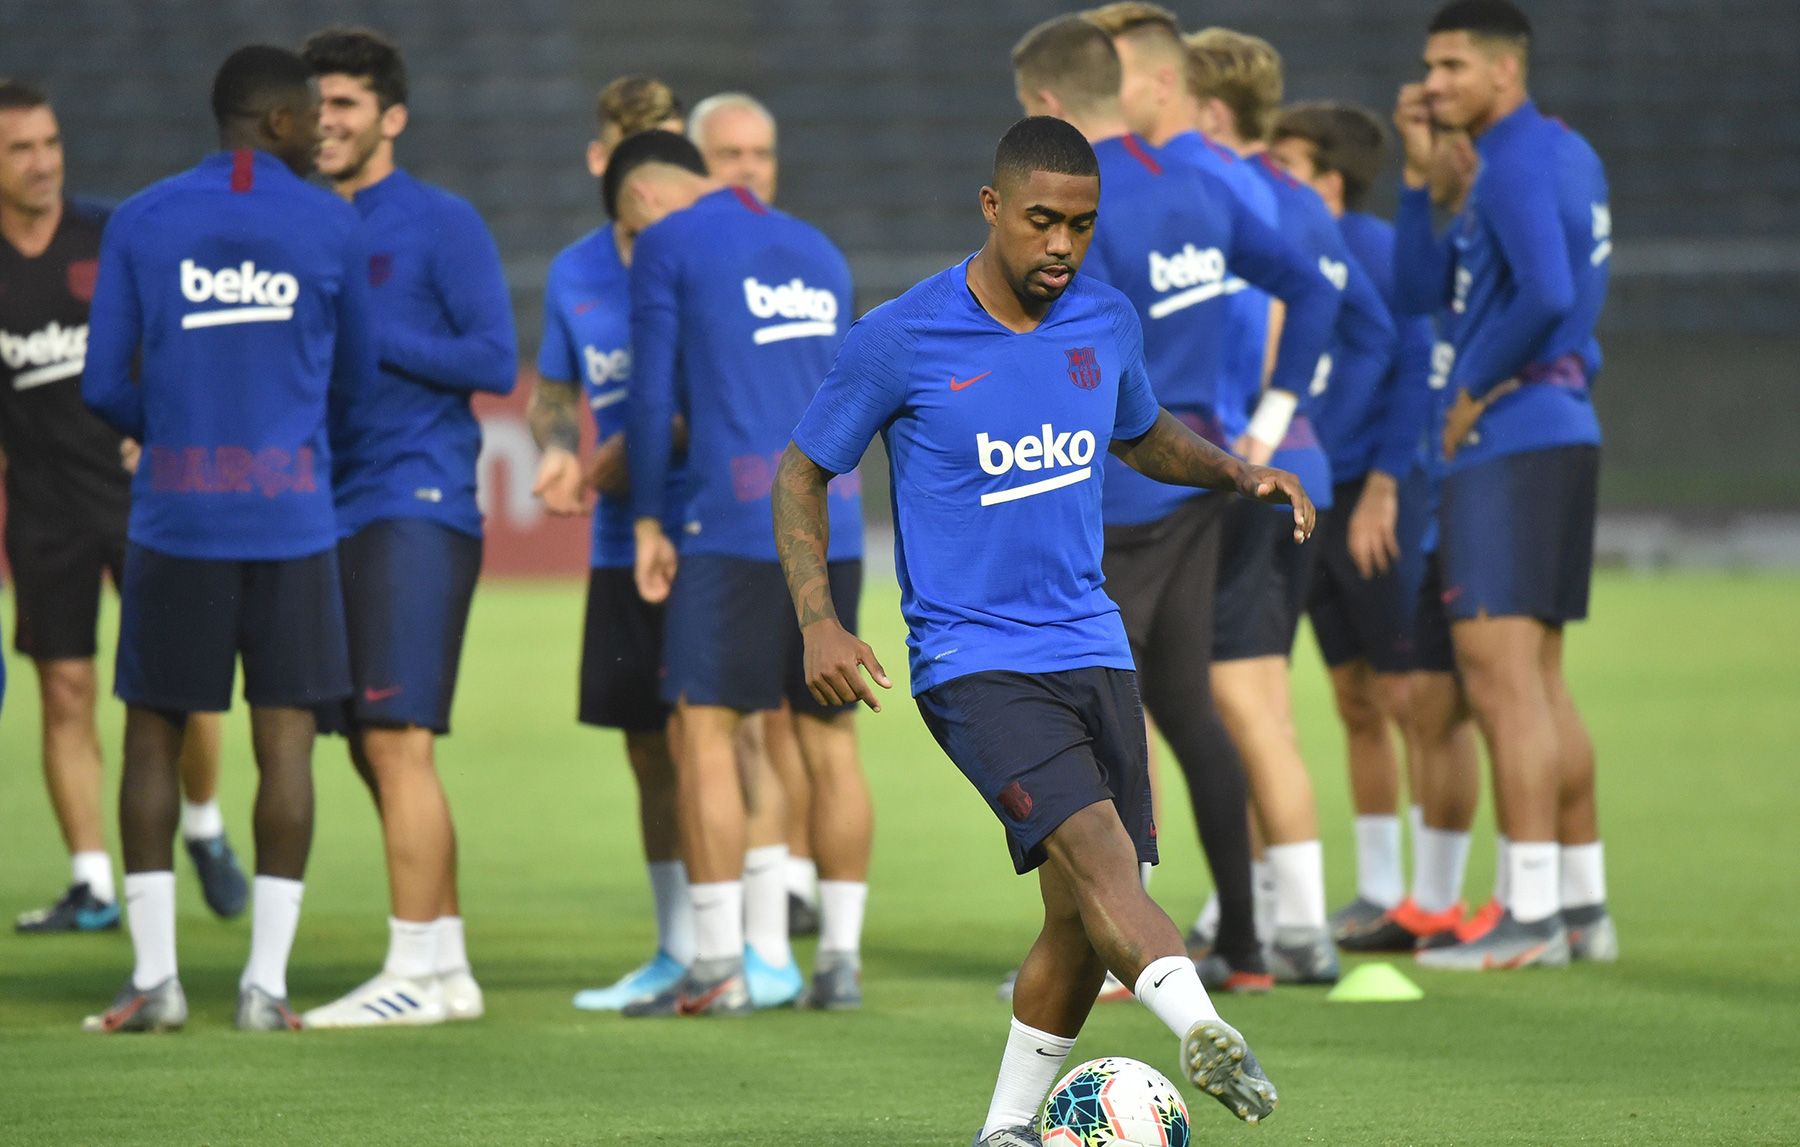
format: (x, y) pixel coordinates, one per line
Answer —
(737, 310)
(405, 446)
(1524, 267)
(243, 292)
(1377, 421)
(1174, 240)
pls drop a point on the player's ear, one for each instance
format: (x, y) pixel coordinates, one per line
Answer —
(990, 206)
(393, 121)
(596, 158)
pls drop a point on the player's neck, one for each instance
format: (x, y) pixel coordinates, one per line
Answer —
(1504, 105)
(1104, 123)
(30, 232)
(990, 287)
(379, 166)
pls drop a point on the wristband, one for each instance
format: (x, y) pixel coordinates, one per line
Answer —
(1269, 425)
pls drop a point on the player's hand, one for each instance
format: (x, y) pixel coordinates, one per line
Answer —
(607, 472)
(1453, 163)
(130, 453)
(1412, 120)
(1466, 411)
(1372, 537)
(1253, 450)
(836, 660)
(655, 568)
(558, 484)
(1280, 488)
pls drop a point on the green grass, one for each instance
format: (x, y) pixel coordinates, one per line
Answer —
(1689, 683)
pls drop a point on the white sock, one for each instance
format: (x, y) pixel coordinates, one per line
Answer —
(1583, 875)
(1443, 858)
(1299, 883)
(1171, 989)
(841, 904)
(1415, 819)
(150, 914)
(1207, 923)
(1502, 871)
(803, 879)
(93, 869)
(1145, 870)
(1534, 878)
(201, 821)
(452, 946)
(1378, 872)
(1030, 1066)
(718, 920)
(674, 911)
(412, 948)
(274, 918)
(766, 905)
(1262, 893)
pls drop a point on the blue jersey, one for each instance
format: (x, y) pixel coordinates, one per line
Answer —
(736, 311)
(1524, 268)
(1377, 405)
(994, 439)
(405, 447)
(587, 337)
(1174, 240)
(243, 291)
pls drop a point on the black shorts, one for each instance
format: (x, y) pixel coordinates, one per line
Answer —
(1040, 747)
(621, 656)
(1433, 650)
(731, 639)
(1518, 535)
(183, 623)
(1264, 579)
(1368, 619)
(407, 584)
(1162, 575)
(57, 568)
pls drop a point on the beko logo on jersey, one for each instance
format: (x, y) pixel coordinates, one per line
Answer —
(1336, 273)
(1198, 274)
(811, 312)
(54, 353)
(605, 368)
(1047, 451)
(250, 295)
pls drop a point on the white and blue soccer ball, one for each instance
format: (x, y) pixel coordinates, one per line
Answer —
(1114, 1102)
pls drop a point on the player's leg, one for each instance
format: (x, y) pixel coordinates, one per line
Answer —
(222, 881)
(802, 870)
(769, 969)
(1374, 795)
(73, 777)
(1592, 935)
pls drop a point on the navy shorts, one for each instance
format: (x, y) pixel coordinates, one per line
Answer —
(1433, 650)
(1518, 535)
(731, 639)
(184, 622)
(1369, 619)
(407, 587)
(621, 656)
(58, 568)
(1264, 579)
(1040, 747)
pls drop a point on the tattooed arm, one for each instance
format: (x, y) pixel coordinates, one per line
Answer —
(835, 658)
(553, 414)
(1170, 452)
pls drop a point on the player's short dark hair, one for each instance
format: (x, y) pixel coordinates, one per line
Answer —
(1485, 20)
(362, 53)
(1344, 138)
(1135, 17)
(636, 103)
(1042, 143)
(634, 151)
(1071, 57)
(18, 96)
(256, 78)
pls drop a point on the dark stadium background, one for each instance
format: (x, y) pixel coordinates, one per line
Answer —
(889, 108)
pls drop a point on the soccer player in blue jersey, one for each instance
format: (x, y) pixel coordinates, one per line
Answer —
(994, 385)
(1173, 239)
(241, 292)
(404, 454)
(1524, 268)
(1364, 601)
(736, 312)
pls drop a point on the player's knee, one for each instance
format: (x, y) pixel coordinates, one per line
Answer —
(69, 688)
(1357, 705)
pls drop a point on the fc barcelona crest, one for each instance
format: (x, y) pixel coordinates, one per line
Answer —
(381, 268)
(82, 275)
(1084, 368)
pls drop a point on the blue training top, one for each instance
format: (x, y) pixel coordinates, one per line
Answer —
(1378, 403)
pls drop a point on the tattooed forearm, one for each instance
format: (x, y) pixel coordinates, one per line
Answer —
(802, 531)
(554, 414)
(1170, 452)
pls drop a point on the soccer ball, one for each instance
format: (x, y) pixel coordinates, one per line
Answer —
(1114, 1102)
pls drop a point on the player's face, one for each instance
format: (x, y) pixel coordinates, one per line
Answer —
(31, 160)
(1042, 226)
(1463, 79)
(352, 125)
(294, 129)
(612, 134)
(739, 148)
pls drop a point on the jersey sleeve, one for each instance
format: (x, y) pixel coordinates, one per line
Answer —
(115, 328)
(1407, 408)
(1421, 259)
(656, 318)
(481, 351)
(860, 396)
(1266, 259)
(558, 359)
(1137, 406)
(353, 345)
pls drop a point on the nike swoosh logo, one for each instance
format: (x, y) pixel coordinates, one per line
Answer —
(1452, 594)
(694, 1005)
(583, 308)
(968, 382)
(1489, 964)
(373, 695)
(1048, 1054)
(1159, 983)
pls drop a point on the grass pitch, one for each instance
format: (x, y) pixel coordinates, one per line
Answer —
(1689, 683)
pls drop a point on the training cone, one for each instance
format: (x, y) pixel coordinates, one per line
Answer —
(1375, 984)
